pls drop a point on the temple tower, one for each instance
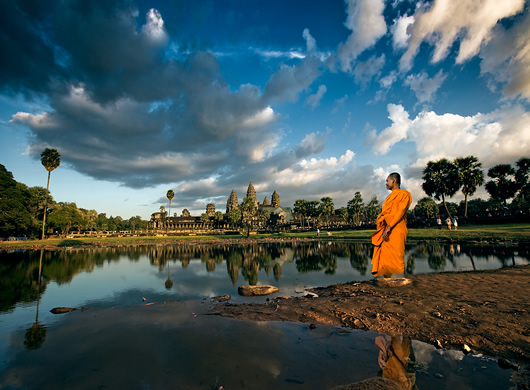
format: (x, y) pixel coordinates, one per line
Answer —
(232, 203)
(275, 199)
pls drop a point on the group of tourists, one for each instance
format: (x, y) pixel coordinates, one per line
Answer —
(449, 221)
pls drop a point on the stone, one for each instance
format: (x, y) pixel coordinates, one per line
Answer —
(251, 291)
(392, 282)
(222, 298)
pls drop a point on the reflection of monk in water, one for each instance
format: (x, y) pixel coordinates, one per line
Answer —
(389, 240)
(394, 355)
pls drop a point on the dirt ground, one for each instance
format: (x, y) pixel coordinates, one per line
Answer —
(487, 311)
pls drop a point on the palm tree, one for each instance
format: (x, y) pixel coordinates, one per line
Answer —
(327, 207)
(522, 176)
(170, 195)
(50, 159)
(471, 176)
(440, 178)
(503, 185)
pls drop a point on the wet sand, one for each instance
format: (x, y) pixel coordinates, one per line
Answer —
(478, 312)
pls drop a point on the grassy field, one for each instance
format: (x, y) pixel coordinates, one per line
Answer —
(470, 233)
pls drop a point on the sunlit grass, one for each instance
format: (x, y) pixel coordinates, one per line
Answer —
(490, 233)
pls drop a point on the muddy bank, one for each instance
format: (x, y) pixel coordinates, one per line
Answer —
(487, 311)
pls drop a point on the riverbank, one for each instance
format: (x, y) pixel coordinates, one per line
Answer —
(484, 312)
(507, 233)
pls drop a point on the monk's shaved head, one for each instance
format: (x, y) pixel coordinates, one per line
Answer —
(396, 176)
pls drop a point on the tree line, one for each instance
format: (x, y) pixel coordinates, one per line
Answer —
(22, 211)
(442, 179)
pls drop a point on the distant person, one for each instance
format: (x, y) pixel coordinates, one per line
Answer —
(318, 233)
(439, 222)
(391, 235)
(448, 221)
(455, 223)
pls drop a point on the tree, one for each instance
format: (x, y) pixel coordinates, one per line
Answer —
(234, 216)
(205, 218)
(170, 195)
(50, 159)
(218, 216)
(248, 209)
(300, 208)
(65, 216)
(355, 209)
(503, 185)
(426, 209)
(471, 176)
(326, 207)
(372, 210)
(441, 179)
(522, 177)
(14, 200)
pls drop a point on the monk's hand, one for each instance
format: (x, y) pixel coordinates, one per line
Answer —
(386, 232)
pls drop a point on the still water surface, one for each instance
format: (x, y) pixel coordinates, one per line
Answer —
(148, 325)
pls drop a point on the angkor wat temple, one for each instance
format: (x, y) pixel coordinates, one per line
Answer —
(278, 216)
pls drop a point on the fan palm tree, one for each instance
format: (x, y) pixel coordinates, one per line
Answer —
(170, 195)
(50, 159)
(440, 179)
(503, 185)
(471, 176)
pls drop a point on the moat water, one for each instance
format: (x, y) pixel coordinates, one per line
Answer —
(148, 325)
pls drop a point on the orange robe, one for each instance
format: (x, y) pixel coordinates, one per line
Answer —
(389, 255)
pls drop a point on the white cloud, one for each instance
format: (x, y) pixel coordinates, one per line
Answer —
(445, 21)
(314, 100)
(310, 41)
(365, 20)
(400, 35)
(423, 86)
(396, 132)
(154, 26)
(502, 136)
(314, 170)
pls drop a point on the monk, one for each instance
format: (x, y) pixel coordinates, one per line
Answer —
(391, 234)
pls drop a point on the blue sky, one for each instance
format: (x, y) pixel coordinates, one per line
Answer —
(308, 98)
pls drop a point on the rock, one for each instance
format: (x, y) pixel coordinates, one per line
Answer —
(222, 298)
(392, 282)
(507, 365)
(251, 291)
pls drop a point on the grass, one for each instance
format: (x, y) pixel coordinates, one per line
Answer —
(467, 233)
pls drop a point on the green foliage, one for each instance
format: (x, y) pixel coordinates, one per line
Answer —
(441, 179)
(15, 205)
(326, 207)
(356, 209)
(470, 174)
(372, 210)
(218, 216)
(426, 209)
(234, 216)
(503, 186)
(64, 217)
(205, 217)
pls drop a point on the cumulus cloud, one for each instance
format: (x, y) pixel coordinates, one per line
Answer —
(314, 100)
(469, 21)
(400, 35)
(424, 87)
(396, 132)
(366, 21)
(502, 136)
